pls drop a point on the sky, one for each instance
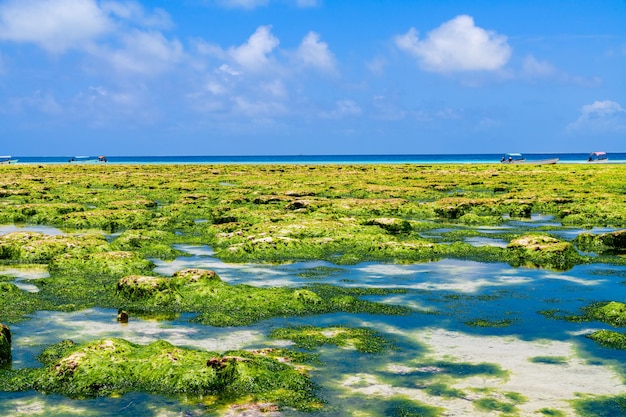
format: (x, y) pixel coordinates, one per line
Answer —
(311, 77)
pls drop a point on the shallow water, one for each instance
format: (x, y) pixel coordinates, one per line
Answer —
(448, 295)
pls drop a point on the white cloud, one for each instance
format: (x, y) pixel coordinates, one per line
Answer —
(261, 109)
(135, 12)
(343, 108)
(601, 116)
(144, 53)
(314, 53)
(253, 54)
(457, 45)
(532, 67)
(54, 25)
(40, 101)
(275, 89)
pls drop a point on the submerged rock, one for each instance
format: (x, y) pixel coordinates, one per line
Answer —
(542, 251)
(5, 345)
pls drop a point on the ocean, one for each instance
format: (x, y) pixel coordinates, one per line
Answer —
(324, 159)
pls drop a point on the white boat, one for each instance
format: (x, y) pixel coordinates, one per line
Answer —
(88, 159)
(518, 158)
(6, 160)
(598, 157)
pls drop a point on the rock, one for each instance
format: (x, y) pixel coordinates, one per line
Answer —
(542, 251)
(122, 316)
(391, 224)
(613, 242)
(139, 286)
(197, 275)
(5, 345)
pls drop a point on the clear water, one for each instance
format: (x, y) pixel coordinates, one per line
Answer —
(448, 294)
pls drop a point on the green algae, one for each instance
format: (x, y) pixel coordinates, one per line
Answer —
(111, 367)
(220, 304)
(600, 406)
(551, 412)
(5, 345)
(310, 337)
(284, 213)
(604, 243)
(612, 312)
(608, 338)
(537, 250)
(404, 407)
(489, 323)
(549, 360)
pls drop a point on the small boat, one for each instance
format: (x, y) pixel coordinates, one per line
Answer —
(88, 159)
(518, 158)
(598, 157)
(513, 158)
(6, 160)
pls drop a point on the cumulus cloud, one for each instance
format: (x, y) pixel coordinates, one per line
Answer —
(144, 53)
(457, 45)
(135, 12)
(314, 53)
(602, 116)
(54, 25)
(254, 53)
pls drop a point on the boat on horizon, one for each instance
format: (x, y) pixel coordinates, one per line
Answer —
(518, 158)
(88, 159)
(6, 160)
(598, 157)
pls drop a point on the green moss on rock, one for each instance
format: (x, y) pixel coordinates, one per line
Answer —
(115, 367)
(542, 251)
(611, 243)
(5, 345)
(608, 338)
(221, 304)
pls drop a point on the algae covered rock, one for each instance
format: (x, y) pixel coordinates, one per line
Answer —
(115, 367)
(140, 286)
(613, 313)
(390, 224)
(614, 242)
(542, 251)
(609, 338)
(115, 263)
(5, 345)
(221, 304)
(197, 275)
(38, 247)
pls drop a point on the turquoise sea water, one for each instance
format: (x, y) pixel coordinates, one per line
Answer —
(326, 159)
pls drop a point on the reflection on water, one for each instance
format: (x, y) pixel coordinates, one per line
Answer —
(447, 295)
(46, 230)
(23, 273)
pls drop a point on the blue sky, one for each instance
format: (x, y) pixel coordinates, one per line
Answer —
(291, 77)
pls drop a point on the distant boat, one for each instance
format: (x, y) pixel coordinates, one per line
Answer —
(598, 157)
(518, 158)
(88, 159)
(6, 160)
